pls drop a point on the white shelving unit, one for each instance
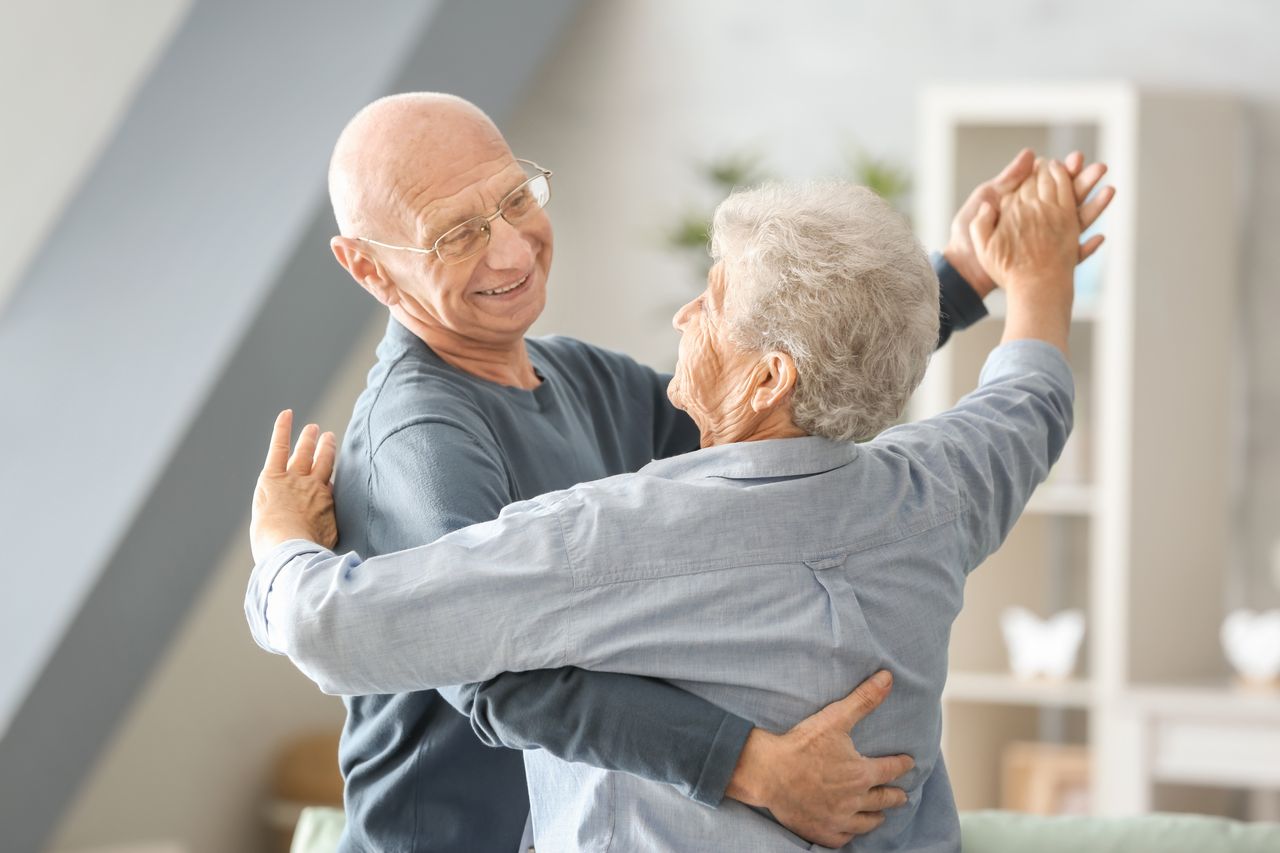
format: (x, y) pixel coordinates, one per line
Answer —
(1067, 499)
(1004, 689)
(1136, 532)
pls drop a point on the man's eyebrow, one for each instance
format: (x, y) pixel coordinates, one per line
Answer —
(441, 219)
(448, 214)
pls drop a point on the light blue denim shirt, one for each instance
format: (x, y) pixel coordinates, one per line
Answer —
(770, 577)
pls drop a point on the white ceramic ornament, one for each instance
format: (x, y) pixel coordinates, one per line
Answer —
(1042, 648)
(1252, 643)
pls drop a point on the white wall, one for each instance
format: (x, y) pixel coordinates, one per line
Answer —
(68, 70)
(643, 88)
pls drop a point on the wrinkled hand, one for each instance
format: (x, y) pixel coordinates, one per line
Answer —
(960, 251)
(813, 779)
(1032, 240)
(293, 499)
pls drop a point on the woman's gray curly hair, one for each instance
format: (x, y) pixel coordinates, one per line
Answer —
(830, 273)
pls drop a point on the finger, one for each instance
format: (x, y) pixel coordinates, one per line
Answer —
(278, 449)
(1064, 192)
(1074, 162)
(1088, 179)
(890, 767)
(326, 452)
(985, 194)
(300, 461)
(1092, 209)
(980, 228)
(832, 840)
(864, 822)
(879, 799)
(865, 698)
(1088, 247)
(1016, 172)
(1045, 189)
(1027, 191)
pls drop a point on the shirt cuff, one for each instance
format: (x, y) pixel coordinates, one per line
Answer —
(726, 749)
(960, 301)
(1020, 357)
(261, 580)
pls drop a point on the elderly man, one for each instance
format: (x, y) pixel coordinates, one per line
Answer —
(462, 416)
(768, 572)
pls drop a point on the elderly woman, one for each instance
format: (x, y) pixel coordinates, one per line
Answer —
(802, 549)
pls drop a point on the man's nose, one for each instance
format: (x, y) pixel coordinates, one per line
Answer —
(509, 248)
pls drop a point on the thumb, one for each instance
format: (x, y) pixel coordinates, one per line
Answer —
(981, 227)
(845, 713)
(1016, 172)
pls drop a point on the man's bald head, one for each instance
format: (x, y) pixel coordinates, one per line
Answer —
(396, 151)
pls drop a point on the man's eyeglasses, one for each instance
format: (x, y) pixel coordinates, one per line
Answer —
(469, 238)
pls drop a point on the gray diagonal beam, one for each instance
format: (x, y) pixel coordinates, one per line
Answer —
(186, 295)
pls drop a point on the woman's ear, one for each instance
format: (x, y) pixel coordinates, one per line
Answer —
(366, 270)
(775, 380)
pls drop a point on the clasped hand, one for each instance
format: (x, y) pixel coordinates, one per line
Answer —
(293, 498)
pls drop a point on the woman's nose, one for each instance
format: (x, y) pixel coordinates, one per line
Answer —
(681, 316)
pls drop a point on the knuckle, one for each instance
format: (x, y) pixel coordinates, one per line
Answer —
(890, 797)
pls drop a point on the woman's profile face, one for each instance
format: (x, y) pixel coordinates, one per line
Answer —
(713, 376)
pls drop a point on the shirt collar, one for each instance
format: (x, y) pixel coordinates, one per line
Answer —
(749, 460)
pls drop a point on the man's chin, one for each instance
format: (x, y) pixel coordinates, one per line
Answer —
(520, 312)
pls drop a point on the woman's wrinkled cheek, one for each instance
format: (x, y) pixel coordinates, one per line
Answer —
(703, 381)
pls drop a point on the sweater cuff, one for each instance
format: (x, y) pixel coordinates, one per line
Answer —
(961, 301)
(722, 760)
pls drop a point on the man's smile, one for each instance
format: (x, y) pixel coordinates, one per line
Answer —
(514, 287)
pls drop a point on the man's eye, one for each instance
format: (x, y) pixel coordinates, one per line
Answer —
(463, 234)
(519, 204)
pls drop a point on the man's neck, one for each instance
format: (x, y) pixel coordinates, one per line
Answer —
(504, 364)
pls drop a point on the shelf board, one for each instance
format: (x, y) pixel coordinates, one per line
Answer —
(1003, 689)
(1214, 699)
(1062, 499)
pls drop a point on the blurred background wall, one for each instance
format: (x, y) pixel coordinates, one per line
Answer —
(70, 70)
(633, 96)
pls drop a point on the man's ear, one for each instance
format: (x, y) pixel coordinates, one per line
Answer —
(365, 269)
(775, 379)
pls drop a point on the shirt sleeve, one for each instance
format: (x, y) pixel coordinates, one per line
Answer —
(959, 305)
(434, 478)
(489, 598)
(643, 726)
(1001, 439)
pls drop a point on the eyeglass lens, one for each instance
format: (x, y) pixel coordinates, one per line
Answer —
(464, 240)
